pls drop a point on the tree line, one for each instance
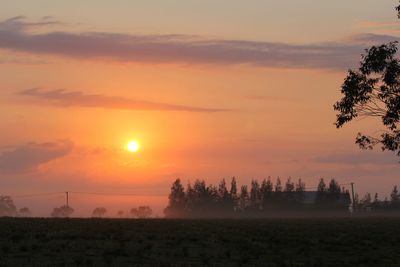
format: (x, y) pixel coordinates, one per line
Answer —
(9, 209)
(369, 204)
(258, 199)
(141, 212)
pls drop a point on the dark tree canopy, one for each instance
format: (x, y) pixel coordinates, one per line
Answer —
(24, 212)
(257, 200)
(374, 91)
(99, 212)
(62, 212)
(7, 206)
(142, 212)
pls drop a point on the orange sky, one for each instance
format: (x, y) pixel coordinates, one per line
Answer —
(213, 95)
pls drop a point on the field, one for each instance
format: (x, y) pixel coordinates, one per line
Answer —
(158, 242)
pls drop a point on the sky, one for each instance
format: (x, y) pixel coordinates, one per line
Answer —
(209, 89)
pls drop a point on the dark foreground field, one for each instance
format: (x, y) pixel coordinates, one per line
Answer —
(273, 242)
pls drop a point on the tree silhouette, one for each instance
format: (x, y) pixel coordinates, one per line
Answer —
(224, 199)
(233, 195)
(366, 201)
(134, 212)
(255, 196)
(333, 190)
(24, 212)
(289, 196)
(7, 206)
(202, 200)
(267, 193)
(144, 212)
(278, 185)
(243, 198)
(321, 193)
(99, 212)
(120, 213)
(177, 200)
(374, 91)
(300, 189)
(62, 212)
(394, 196)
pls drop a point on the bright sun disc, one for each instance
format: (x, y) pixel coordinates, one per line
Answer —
(133, 146)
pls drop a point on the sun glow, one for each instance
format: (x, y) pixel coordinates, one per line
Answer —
(133, 146)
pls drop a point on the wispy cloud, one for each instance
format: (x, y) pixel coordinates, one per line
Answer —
(15, 34)
(28, 157)
(65, 98)
(372, 38)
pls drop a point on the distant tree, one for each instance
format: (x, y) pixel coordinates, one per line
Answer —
(394, 196)
(334, 187)
(24, 212)
(356, 201)
(134, 212)
(211, 202)
(255, 196)
(243, 198)
(99, 212)
(7, 206)
(233, 194)
(333, 191)
(267, 193)
(62, 212)
(289, 185)
(120, 213)
(190, 199)
(366, 201)
(321, 186)
(300, 186)
(144, 212)
(321, 193)
(177, 200)
(278, 185)
(203, 200)
(374, 91)
(300, 191)
(376, 205)
(289, 196)
(224, 199)
(376, 200)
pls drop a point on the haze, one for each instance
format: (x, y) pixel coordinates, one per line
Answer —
(210, 89)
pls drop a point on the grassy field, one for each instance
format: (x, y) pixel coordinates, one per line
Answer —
(273, 242)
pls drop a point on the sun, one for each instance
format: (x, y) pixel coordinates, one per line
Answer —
(133, 146)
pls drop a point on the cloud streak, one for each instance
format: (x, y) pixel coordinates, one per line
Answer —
(65, 98)
(28, 157)
(15, 34)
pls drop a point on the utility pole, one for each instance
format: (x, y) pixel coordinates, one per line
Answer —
(352, 195)
(67, 198)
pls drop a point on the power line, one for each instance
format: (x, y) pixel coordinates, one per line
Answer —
(113, 194)
(37, 195)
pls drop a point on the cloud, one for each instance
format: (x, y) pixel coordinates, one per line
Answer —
(15, 34)
(371, 38)
(362, 157)
(79, 99)
(28, 157)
